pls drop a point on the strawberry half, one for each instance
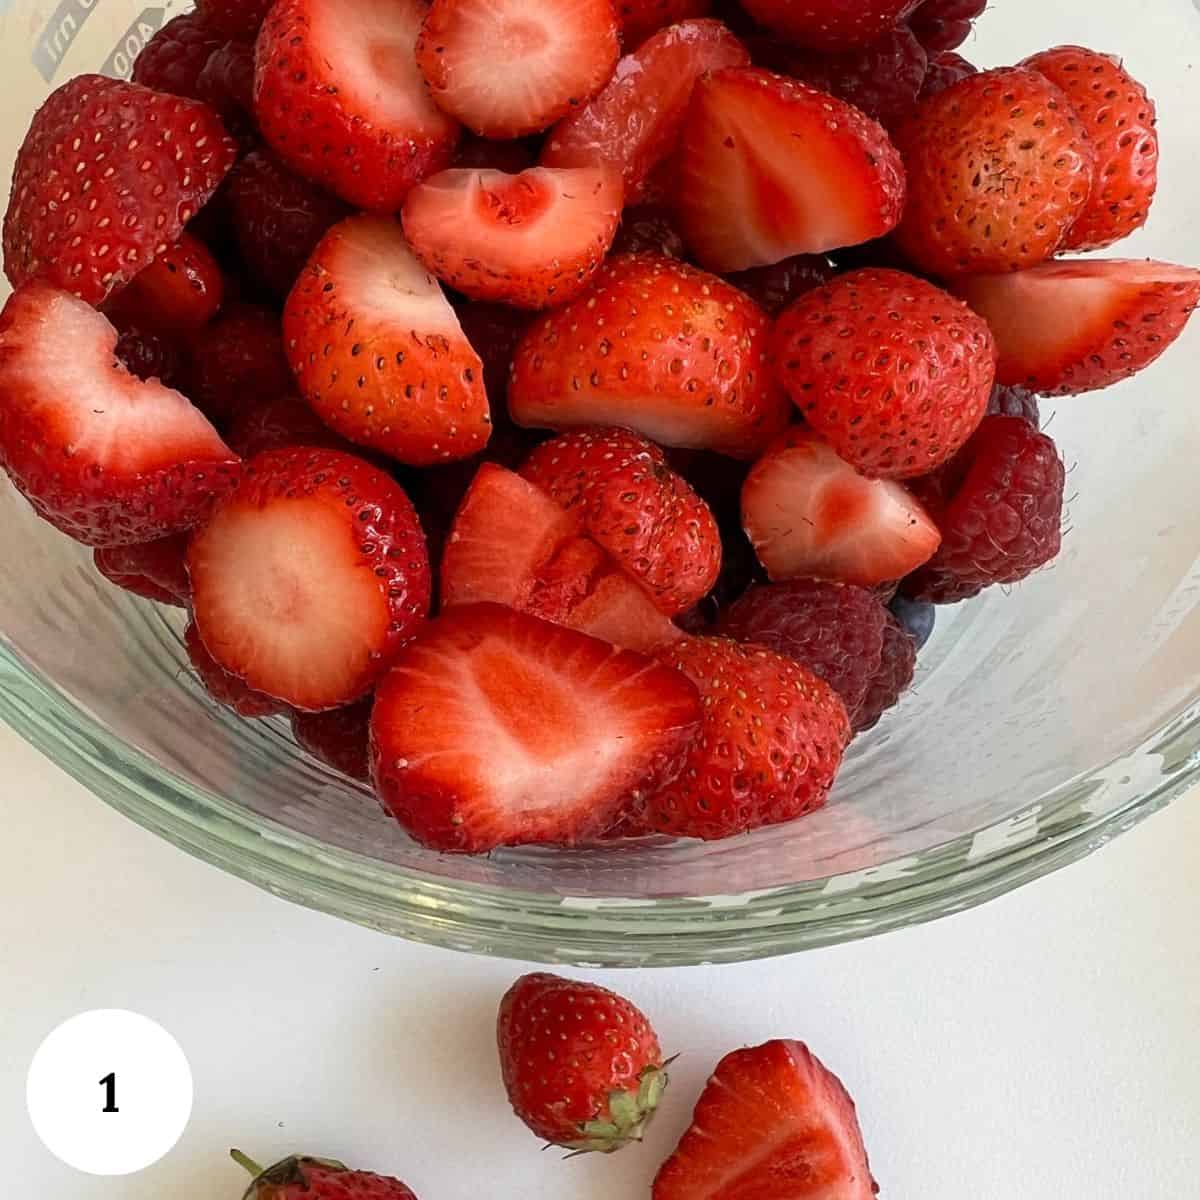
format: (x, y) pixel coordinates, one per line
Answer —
(105, 180)
(531, 240)
(829, 24)
(495, 728)
(310, 577)
(808, 512)
(771, 1124)
(378, 351)
(340, 100)
(633, 124)
(507, 68)
(656, 346)
(769, 167)
(105, 457)
(1068, 327)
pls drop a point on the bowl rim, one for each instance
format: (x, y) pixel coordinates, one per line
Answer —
(1058, 828)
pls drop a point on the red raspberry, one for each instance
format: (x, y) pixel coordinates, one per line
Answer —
(773, 288)
(339, 738)
(227, 83)
(171, 61)
(512, 157)
(945, 24)
(1015, 401)
(897, 665)
(835, 630)
(278, 219)
(946, 69)
(149, 356)
(225, 688)
(998, 504)
(239, 360)
(278, 423)
(153, 570)
(649, 228)
(233, 18)
(494, 330)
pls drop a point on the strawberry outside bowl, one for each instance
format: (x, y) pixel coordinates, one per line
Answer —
(1044, 720)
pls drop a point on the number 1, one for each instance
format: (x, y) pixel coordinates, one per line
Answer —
(109, 1084)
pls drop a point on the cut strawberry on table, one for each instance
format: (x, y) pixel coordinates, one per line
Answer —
(769, 167)
(303, 1178)
(341, 102)
(808, 512)
(893, 372)
(531, 240)
(340, 738)
(829, 24)
(772, 1123)
(105, 180)
(495, 728)
(107, 458)
(507, 68)
(1068, 327)
(310, 577)
(154, 570)
(223, 686)
(999, 170)
(657, 346)
(1120, 121)
(378, 351)
(633, 124)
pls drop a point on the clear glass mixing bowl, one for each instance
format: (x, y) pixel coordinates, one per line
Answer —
(1043, 722)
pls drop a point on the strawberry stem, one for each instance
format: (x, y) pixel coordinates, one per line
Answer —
(246, 1162)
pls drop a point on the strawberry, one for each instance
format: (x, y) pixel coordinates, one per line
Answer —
(310, 577)
(378, 351)
(303, 1178)
(531, 240)
(340, 738)
(638, 19)
(807, 512)
(1068, 327)
(496, 728)
(223, 686)
(768, 750)
(659, 347)
(507, 68)
(107, 458)
(341, 102)
(155, 570)
(1120, 121)
(105, 180)
(238, 363)
(829, 24)
(771, 1122)
(644, 514)
(769, 167)
(176, 295)
(582, 1066)
(893, 372)
(999, 169)
(633, 124)
(175, 57)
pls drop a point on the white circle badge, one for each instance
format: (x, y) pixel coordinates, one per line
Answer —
(109, 1092)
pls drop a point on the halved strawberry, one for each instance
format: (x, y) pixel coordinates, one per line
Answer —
(177, 294)
(506, 68)
(340, 100)
(829, 24)
(532, 239)
(809, 513)
(656, 346)
(633, 124)
(155, 570)
(105, 180)
(496, 728)
(1068, 327)
(769, 167)
(310, 577)
(771, 1124)
(105, 457)
(378, 351)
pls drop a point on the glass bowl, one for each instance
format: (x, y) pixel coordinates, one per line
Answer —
(1043, 722)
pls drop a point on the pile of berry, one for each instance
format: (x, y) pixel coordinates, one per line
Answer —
(568, 412)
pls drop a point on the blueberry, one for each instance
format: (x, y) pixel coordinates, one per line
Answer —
(917, 616)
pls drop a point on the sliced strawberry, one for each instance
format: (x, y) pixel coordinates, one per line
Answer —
(506, 68)
(532, 239)
(771, 1124)
(340, 100)
(633, 124)
(1068, 327)
(225, 688)
(638, 19)
(310, 577)
(656, 346)
(808, 513)
(1119, 118)
(340, 738)
(769, 167)
(495, 728)
(155, 570)
(829, 24)
(621, 611)
(378, 351)
(105, 180)
(176, 295)
(105, 457)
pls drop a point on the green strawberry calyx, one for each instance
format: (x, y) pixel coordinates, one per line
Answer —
(283, 1174)
(629, 1113)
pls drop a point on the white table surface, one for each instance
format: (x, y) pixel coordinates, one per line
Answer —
(1044, 1047)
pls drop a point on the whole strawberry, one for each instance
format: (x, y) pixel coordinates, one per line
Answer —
(581, 1065)
(303, 1178)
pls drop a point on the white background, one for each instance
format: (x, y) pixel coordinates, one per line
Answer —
(1044, 1047)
